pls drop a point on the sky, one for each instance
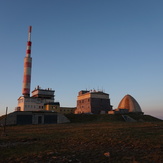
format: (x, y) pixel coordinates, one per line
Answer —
(109, 45)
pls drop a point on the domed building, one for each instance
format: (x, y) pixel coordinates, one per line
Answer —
(126, 105)
(128, 102)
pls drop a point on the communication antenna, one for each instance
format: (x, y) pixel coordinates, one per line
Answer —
(27, 66)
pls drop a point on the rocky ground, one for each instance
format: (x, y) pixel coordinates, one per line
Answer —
(83, 143)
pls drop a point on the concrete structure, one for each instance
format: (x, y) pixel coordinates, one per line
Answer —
(52, 106)
(37, 101)
(27, 67)
(94, 102)
(128, 118)
(67, 110)
(33, 117)
(43, 93)
(55, 106)
(127, 105)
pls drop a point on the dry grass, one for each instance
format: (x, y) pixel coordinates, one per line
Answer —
(97, 142)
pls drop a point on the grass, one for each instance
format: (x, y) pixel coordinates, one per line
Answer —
(85, 118)
(99, 141)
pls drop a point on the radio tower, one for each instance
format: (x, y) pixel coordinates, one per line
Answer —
(27, 67)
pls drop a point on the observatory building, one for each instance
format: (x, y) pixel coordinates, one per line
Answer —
(127, 105)
(94, 102)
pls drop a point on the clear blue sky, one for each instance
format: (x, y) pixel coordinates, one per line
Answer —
(114, 45)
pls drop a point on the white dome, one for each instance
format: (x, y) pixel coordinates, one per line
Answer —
(128, 102)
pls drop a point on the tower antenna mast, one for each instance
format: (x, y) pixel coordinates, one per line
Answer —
(27, 67)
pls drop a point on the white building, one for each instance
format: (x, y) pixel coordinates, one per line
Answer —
(36, 101)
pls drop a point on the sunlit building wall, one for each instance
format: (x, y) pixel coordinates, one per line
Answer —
(95, 102)
(55, 106)
(37, 101)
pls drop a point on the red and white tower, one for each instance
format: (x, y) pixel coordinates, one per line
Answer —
(27, 67)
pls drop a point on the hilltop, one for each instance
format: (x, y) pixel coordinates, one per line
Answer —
(86, 118)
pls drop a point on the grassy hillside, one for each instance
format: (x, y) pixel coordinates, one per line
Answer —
(84, 118)
(1, 117)
(95, 142)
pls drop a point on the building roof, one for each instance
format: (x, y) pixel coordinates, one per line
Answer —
(83, 92)
(128, 102)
